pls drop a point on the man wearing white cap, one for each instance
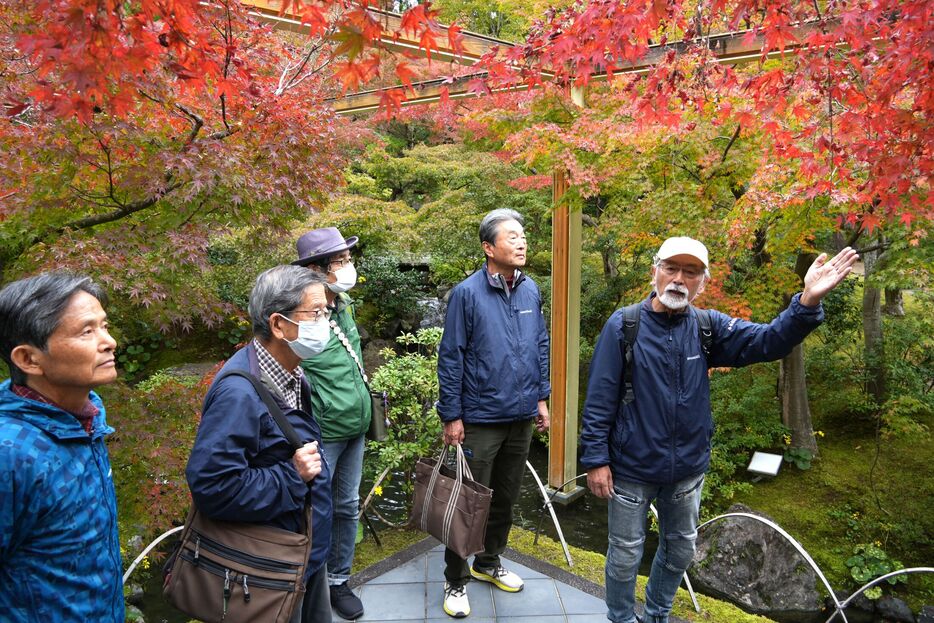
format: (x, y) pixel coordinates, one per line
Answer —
(647, 424)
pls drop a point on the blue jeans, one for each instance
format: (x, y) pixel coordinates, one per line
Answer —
(678, 507)
(346, 461)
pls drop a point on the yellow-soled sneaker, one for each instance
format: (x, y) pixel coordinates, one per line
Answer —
(455, 600)
(499, 577)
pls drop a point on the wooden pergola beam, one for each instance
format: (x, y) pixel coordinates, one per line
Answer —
(730, 48)
(473, 45)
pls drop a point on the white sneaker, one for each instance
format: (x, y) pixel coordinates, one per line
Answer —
(455, 600)
(499, 577)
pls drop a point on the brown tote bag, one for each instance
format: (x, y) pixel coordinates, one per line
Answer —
(231, 572)
(450, 505)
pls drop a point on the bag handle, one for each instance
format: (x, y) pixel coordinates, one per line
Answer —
(353, 355)
(462, 469)
(274, 409)
(287, 429)
(350, 351)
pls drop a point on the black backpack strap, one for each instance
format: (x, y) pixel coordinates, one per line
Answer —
(705, 329)
(631, 315)
(274, 409)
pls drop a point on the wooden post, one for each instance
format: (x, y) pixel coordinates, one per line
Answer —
(565, 341)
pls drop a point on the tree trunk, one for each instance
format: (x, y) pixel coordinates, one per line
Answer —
(894, 305)
(873, 347)
(796, 412)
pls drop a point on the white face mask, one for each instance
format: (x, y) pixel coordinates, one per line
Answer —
(313, 337)
(346, 278)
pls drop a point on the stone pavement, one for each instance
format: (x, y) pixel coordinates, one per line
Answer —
(408, 586)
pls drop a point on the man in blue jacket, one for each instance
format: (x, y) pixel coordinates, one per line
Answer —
(59, 548)
(493, 385)
(656, 445)
(242, 467)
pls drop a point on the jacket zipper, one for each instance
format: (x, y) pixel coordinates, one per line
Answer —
(267, 564)
(110, 502)
(222, 572)
(673, 406)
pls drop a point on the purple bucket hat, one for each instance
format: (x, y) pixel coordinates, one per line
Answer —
(321, 243)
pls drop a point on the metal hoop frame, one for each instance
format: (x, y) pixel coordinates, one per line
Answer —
(839, 606)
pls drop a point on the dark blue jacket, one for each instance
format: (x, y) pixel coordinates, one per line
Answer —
(493, 356)
(59, 548)
(241, 469)
(663, 436)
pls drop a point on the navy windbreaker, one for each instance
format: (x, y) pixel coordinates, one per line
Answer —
(663, 436)
(493, 356)
(241, 469)
(59, 548)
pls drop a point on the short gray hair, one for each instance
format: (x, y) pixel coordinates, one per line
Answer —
(31, 310)
(279, 290)
(489, 226)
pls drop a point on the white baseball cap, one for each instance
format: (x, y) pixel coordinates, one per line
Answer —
(682, 245)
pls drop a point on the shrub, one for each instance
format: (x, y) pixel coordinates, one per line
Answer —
(746, 413)
(155, 427)
(412, 384)
(389, 293)
(869, 562)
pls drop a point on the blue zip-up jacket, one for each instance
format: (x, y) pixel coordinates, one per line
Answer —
(663, 436)
(241, 469)
(493, 356)
(59, 548)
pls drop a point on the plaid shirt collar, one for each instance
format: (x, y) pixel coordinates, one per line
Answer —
(288, 384)
(85, 417)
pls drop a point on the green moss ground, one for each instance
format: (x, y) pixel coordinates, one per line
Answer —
(832, 507)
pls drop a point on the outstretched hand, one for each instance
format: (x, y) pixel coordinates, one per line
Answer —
(824, 275)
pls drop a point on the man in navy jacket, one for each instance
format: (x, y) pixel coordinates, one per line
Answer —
(493, 378)
(657, 447)
(242, 467)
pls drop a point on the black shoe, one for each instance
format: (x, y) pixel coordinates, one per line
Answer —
(343, 600)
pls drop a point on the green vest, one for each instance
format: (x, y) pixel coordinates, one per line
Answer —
(339, 397)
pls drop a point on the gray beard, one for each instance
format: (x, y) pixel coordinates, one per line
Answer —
(672, 301)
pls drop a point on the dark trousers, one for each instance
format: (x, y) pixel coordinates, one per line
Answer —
(316, 605)
(496, 454)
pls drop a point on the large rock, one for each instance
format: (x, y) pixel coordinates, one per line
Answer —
(894, 610)
(926, 615)
(747, 562)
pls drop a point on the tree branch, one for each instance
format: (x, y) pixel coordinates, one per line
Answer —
(730, 144)
(122, 212)
(881, 246)
(196, 123)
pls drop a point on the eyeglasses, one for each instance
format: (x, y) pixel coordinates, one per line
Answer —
(340, 263)
(316, 314)
(690, 272)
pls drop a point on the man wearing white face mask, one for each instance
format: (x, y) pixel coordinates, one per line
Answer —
(242, 468)
(340, 401)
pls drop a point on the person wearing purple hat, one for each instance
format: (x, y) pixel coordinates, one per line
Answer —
(340, 401)
(647, 423)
